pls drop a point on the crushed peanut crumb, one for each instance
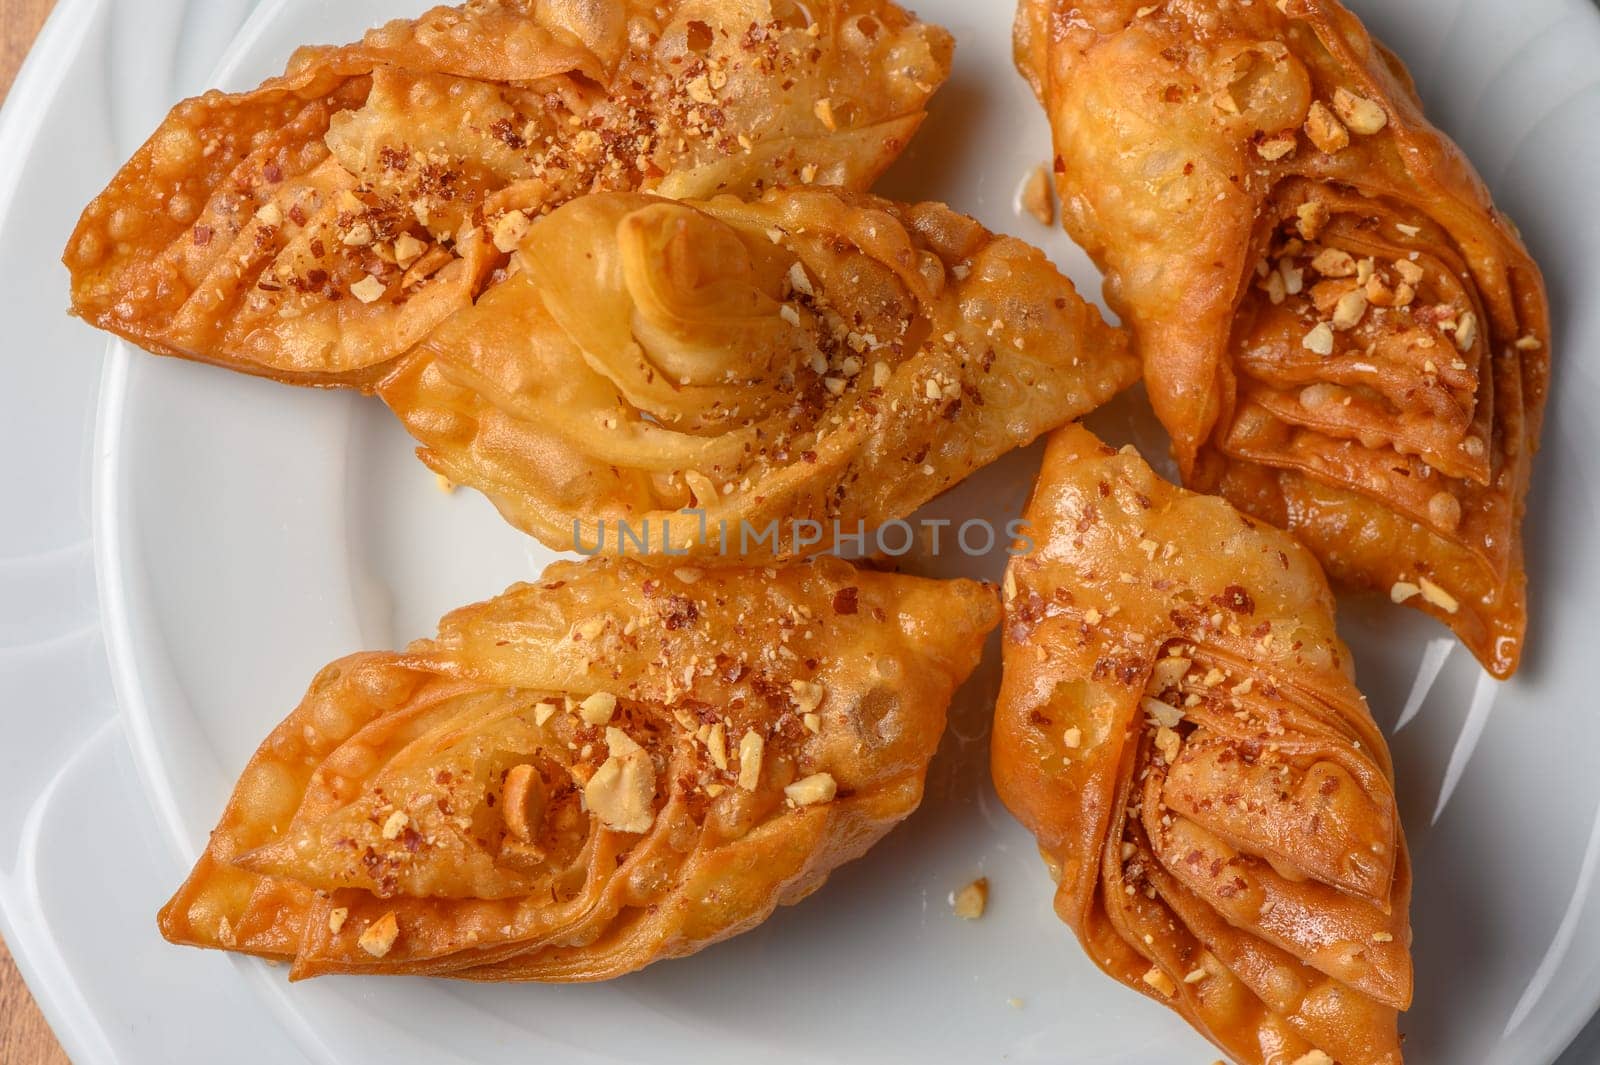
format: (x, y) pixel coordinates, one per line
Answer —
(1037, 198)
(970, 902)
(598, 708)
(750, 752)
(1157, 979)
(368, 290)
(717, 745)
(1437, 596)
(817, 788)
(1360, 114)
(337, 917)
(1319, 341)
(509, 231)
(1314, 1057)
(379, 937)
(1277, 146)
(1325, 131)
(523, 801)
(622, 791)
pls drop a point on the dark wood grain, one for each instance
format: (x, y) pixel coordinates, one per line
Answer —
(25, 1038)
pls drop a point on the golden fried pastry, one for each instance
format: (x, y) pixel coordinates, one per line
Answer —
(1339, 330)
(813, 356)
(1178, 725)
(610, 767)
(318, 226)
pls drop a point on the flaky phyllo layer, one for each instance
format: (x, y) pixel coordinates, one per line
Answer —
(1178, 725)
(610, 767)
(314, 228)
(811, 356)
(1339, 330)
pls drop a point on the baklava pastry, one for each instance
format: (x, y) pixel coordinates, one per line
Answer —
(1339, 330)
(811, 359)
(312, 229)
(611, 767)
(1178, 726)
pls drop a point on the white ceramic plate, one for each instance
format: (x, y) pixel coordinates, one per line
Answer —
(241, 534)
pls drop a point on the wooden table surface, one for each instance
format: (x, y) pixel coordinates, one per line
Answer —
(25, 1039)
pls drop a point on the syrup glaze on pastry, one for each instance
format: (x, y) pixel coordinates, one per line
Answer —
(1178, 726)
(1339, 330)
(811, 356)
(610, 767)
(314, 228)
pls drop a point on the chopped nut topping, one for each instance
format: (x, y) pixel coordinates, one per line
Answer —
(813, 723)
(1037, 198)
(368, 290)
(1404, 591)
(523, 802)
(1382, 937)
(1325, 130)
(395, 824)
(1312, 215)
(1360, 114)
(717, 745)
(1332, 262)
(622, 791)
(358, 236)
(1072, 738)
(970, 902)
(379, 936)
(621, 744)
(881, 374)
(1195, 976)
(337, 917)
(1319, 394)
(1277, 146)
(1169, 743)
(817, 788)
(1529, 343)
(800, 281)
(750, 752)
(408, 249)
(824, 113)
(1438, 596)
(1164, 713)
(1409, 271)
(1168, 673)
(270, 214)
(808, 695)
(1158, 979)
(1320, 340)
(1314, 1057)
(1467, 331)
(598, 708)
(509, 230)
(1351, 308)
(542, 713)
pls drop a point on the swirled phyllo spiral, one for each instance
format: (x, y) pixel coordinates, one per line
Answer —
(589, 774)
(1178, 726)
(815, 356)
(316, 227)
(1339, 330)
